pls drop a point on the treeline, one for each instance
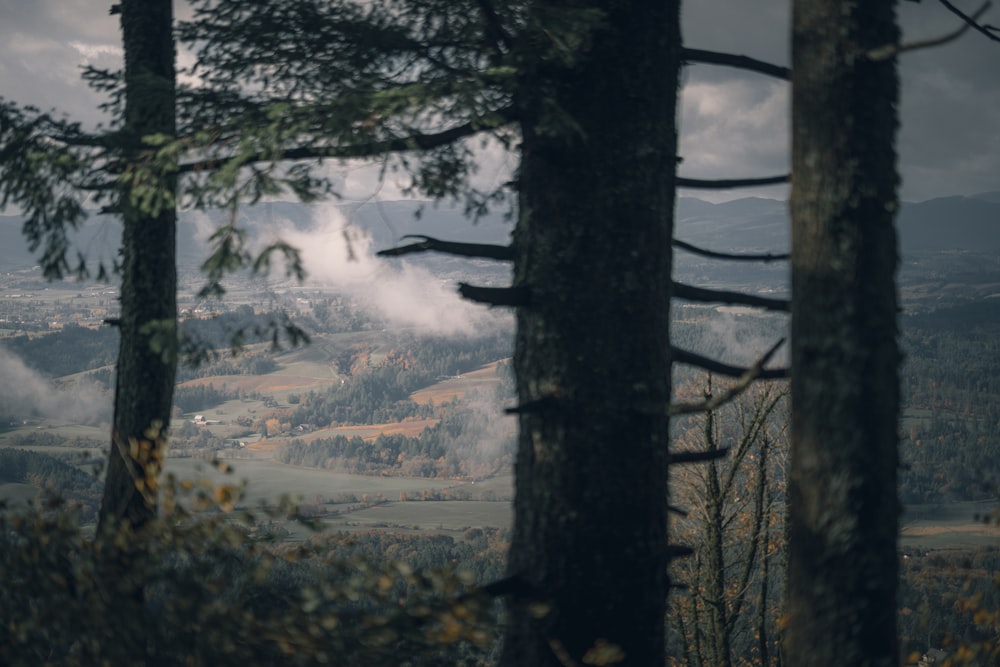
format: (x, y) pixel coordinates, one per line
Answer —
(465, 443)
(379, 393)
(949, 458)
(75, 349)
(481, 552)
(941, 594)
(244, 363)
(951, 389)
(72, 349)
(20, 466)
(202, 396)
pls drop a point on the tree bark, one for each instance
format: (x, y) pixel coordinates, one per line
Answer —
(843, 508)
(592, 247)
(147, 357)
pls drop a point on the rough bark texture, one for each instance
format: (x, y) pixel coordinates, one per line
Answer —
(147, 352)
(592, 246)
(843, 508)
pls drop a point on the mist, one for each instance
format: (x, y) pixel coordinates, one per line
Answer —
(25, 394)
(340, 256)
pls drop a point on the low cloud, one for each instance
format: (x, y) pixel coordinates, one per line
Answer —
(25, 394)
(341, 257)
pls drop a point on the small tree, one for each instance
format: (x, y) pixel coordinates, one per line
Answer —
(734, 522)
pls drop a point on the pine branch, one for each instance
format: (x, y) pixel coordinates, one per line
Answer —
(695, 250)
(495, 296)
(701, 294)
(494, 27)
(480, 250)
(739, 62)
(681, 356)
(413, 142)
(728, 183)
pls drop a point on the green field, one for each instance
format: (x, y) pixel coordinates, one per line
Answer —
(949, 525)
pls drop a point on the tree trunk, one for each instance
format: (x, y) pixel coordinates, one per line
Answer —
(592, 247)
(843, 509)
(147, 356)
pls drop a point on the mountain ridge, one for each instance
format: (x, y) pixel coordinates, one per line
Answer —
(963, 223)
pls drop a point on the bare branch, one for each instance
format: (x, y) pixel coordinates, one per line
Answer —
(892, 50)
(480, 250)
(506, 253)
(693, 249)
(732, 393)
(698, 457)
(691, 293)
(678, 551)
(495, 296)
(739, 62)
(726, 184)
(681, 356)
(971, 20)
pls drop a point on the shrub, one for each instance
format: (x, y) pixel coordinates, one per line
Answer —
(207, 584)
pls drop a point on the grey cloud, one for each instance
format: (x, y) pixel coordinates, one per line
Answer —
(948, 140)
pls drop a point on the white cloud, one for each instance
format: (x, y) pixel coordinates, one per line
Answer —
(24, 393)
(340, 256)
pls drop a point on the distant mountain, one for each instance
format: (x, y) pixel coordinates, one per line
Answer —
(739, 225)
(951, 223)
(385, 222)
(988, 196)
(946, 223)
(749, 224)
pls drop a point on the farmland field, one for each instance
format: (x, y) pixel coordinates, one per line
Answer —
(268, 480)
(455, 388)
(948, 525)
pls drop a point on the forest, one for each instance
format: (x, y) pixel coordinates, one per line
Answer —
(734, 517)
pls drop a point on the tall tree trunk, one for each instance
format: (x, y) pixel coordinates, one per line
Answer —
(843, 508)
(592, 247)
(147, 351)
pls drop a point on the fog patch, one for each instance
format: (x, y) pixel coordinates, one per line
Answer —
(25, 394)
(341, 256)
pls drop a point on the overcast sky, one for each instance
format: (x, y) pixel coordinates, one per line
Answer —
(732, 124)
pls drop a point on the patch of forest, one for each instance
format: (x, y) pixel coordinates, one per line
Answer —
(75, 349)
(380, 393)
(941, 594)
(951, 389)
(465, 443)
(20, 466)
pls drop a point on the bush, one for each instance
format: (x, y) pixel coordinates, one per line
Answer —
(206, 584)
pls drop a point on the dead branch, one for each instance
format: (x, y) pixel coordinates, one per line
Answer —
(726, 184)
(971, 20)
(729, 395)
(698, 457)
(701, 294)
(681, 356)
(495, 296)
(892, 50)
(695, 250)
(480, 250)
(733, 60)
